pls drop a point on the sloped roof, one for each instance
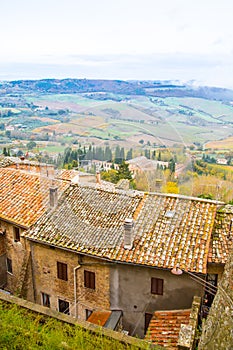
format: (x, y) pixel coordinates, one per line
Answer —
(6, 161)
(169, 230)
(99, 317)
(164, 327)
(24, 197)
(222, 237)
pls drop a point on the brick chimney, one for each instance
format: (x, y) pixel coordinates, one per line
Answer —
(128, 233)
(53, 196)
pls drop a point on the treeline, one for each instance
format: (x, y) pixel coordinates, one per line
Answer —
(97, 153)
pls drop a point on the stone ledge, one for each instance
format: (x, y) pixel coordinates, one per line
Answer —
(121, 337)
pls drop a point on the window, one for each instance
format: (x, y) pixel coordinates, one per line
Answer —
(16, 234)
(64, 306)
(148, 317)
(89, 279)
(156, 286)
(62, 271)
(9, 265)
(45, 299)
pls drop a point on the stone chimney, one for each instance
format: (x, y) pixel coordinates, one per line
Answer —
(53, 191)
(98, 178)
(128, 233)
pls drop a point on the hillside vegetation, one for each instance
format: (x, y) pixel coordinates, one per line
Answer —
(23, 329)
(162, 113)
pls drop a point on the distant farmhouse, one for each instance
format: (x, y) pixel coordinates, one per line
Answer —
(107, 255)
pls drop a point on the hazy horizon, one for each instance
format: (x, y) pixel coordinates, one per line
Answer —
(126, 40)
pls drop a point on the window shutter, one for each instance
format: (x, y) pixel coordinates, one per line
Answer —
(157, 286)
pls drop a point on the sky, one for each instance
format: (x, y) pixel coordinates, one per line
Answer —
(185, 40)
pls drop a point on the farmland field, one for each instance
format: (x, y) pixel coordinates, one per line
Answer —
(123, 118)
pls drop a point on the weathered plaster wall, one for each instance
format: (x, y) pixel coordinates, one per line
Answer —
(218, 329)
(131, 293)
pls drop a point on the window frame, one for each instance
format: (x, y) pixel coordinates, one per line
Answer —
(45, 299)
(157, 285)
(9, 268)
(66, 310)
(62, 271)
(89, 279)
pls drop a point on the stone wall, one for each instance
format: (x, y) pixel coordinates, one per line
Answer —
(99, 298)
(45, 280)
(217, 331)
(95, 329)
(15, 250)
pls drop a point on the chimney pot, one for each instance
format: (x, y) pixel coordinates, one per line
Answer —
(53, 196)
(98, 179)
(128, 234)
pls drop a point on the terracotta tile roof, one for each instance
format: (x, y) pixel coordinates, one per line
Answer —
(68, 175)
(77, 177)
(6, 161)
(99, 317)
(24, 197)
(164, 327)
(222, 236)
(169, 230)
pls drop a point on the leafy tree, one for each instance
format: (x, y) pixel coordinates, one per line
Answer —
(110, 175)
(31, 145)
(124, 172)
(171, 187)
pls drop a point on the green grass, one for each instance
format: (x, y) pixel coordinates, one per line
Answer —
(23, 329)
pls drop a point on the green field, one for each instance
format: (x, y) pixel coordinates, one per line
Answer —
(127, 118)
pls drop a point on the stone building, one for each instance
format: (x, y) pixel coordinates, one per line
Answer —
(96, 249)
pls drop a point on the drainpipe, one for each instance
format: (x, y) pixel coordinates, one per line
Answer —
(75, 290)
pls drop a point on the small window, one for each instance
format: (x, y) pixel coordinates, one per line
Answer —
(89, 279)
(88, 313)
(156, 286)
(62, 271)
(148, 317)
(16, 234)
(45, 299)
(9, 265)
(64, 306)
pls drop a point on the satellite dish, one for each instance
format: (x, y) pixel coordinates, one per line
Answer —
(176, 271)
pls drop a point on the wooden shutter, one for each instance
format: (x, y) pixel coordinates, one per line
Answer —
(89, 279)
(62, 271)
(157, 286)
